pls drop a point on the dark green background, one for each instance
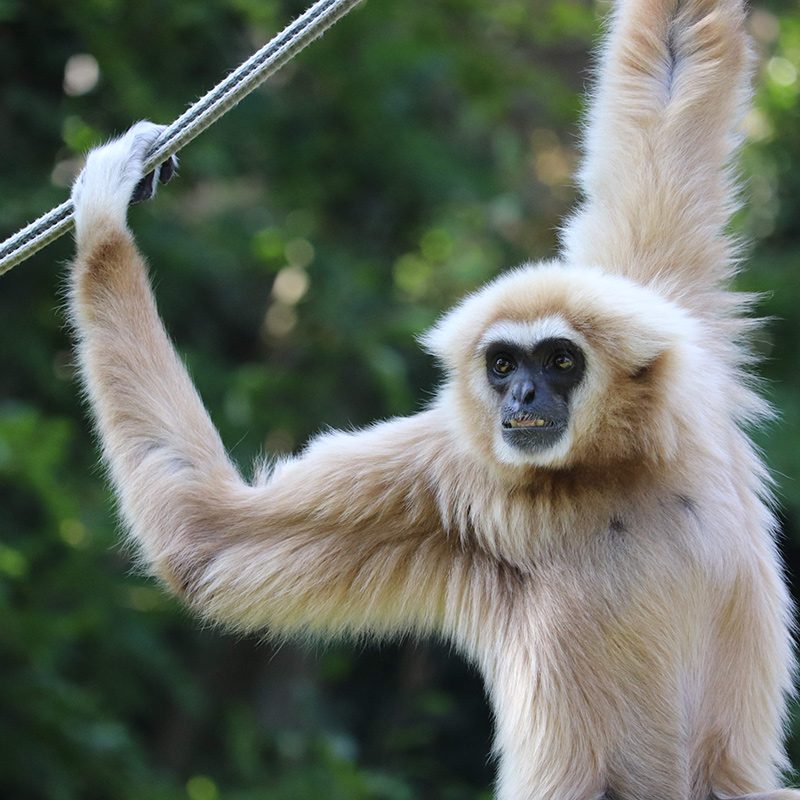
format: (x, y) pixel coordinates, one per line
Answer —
(407, 157)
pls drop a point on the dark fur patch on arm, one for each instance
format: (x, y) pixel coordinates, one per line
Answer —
(109, 264)
(108, 255)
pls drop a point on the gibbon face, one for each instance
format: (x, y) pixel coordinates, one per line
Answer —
(534, 382)
(558, 366)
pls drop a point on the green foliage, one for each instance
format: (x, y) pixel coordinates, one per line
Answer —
(398, 163)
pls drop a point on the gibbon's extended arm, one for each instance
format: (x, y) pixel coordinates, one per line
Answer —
(343, 538)
(673, 81)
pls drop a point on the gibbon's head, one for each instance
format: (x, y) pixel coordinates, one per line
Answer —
(556, 366)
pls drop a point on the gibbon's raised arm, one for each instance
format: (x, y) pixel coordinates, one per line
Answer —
(340, 539)
(673, 81)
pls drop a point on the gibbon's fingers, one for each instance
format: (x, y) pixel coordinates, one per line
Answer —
(163, 173)
(673, 80)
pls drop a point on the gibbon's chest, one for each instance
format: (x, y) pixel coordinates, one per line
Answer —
(582, 528)
(573, 589)
(596, 613)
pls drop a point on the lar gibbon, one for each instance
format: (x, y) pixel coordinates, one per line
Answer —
(578, 511)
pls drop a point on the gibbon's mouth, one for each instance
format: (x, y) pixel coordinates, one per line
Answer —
(530, 432)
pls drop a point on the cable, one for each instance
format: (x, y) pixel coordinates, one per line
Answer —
(207, 110)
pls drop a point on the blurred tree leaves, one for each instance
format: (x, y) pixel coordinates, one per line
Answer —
(396, 164)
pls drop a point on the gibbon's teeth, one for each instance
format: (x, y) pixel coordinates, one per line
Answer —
(535, 422)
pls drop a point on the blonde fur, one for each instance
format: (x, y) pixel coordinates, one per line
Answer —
(620, 592)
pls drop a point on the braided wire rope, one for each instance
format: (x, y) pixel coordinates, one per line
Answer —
(199, 116)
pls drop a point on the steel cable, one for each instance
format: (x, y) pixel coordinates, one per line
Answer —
(199, 116)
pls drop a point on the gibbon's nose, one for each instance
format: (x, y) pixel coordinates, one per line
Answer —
(523, 392)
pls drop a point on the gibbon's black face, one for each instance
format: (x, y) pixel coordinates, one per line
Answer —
(535, 386)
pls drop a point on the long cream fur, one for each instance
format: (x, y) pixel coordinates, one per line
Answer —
(621, 592)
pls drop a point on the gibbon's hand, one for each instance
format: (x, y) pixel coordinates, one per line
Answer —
(661, 129)
(113, 176)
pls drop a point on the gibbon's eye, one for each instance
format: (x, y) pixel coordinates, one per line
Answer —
(503, 365)
(563, 362)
